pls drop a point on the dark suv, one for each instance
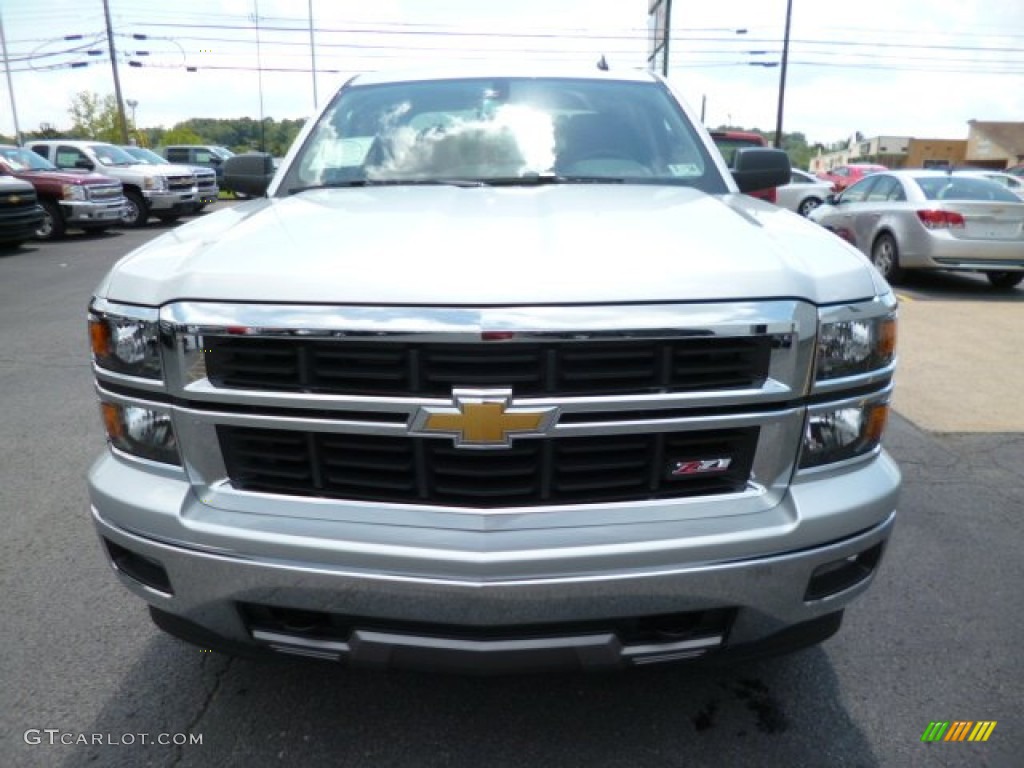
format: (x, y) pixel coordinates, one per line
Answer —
(206, 155)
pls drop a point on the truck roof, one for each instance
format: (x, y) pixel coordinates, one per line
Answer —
(502, 70)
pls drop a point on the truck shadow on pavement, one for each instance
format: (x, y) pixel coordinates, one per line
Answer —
(785, 711)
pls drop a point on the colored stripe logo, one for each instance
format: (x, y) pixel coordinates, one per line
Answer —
(958, 730)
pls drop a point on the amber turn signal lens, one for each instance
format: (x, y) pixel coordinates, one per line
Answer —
(887, 338)
(878, 417)
(112, 421)
(99, 337)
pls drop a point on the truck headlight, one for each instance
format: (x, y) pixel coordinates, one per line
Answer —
(141, 432)
(155, 183)
(72, 192)
(853, 345)
(845, 432)
(126, 339)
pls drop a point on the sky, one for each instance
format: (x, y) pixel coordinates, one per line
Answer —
(881, 67)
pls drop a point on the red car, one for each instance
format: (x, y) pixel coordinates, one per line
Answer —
(729, 141)
(88, 201)
(844, 175)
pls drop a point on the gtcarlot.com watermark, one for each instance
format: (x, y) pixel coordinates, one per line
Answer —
(54, 736)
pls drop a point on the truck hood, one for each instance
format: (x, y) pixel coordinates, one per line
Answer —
(67, 177)
(447, 245)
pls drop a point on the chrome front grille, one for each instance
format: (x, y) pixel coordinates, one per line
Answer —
(557, 368)
(103, 192)
(322, 403)
(537, 472)
(180, 183)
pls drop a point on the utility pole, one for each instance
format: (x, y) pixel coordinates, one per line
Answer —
(668, 37)
(782, 76)
(312, 52)
(259, 73)
(121, 121)
(10, 85)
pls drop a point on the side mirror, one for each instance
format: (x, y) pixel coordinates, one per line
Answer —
(84, 164)
(249, 174)
(831, 199)
(760, 168)
(215, 159)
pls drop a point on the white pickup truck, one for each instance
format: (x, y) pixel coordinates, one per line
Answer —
(167, 192)
(502, 372)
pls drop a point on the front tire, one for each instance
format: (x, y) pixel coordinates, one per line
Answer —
(53, 227)
(135, 211)
(808, 205)
(1005, 280)
(885, 255)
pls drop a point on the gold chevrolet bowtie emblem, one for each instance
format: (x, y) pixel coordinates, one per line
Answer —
(483, 418)
(14, 199)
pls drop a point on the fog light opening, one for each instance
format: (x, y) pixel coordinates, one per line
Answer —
(140, 568)
(839, 575)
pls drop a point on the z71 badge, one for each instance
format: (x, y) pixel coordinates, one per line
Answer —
(699, 467)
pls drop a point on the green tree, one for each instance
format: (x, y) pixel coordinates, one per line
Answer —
(95, 117)
(181, 135)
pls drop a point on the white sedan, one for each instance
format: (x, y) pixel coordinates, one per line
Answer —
(804, 193)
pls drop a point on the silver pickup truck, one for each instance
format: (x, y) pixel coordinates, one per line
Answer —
(167, 192)
(504, 372)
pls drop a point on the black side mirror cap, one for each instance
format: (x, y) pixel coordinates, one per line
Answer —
(831, 199)
(249, 174)
(757, 168)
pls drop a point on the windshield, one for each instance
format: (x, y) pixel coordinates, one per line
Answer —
(108, 154)
(20, 159)
(964, 188)
(147, 156)
(223, 152)
(503, 129)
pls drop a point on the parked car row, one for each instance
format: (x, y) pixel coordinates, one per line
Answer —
(927, 219)
(92, 186)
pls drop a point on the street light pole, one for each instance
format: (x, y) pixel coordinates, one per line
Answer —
(782, 76)
(132, 104)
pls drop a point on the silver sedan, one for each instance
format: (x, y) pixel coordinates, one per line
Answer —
(904, 220)
(804, 193)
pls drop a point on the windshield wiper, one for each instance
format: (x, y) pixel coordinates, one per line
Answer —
(352, 183)
(539, 179)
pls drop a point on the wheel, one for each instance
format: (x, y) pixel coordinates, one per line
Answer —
(808, 205)
(168, 219)
(1005, 280)
(135, 211)
(53, 227)
(886, 258)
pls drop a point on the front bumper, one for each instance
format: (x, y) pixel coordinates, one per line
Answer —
(172, 202)
(208, 193)
(93, 213)
(417, 603)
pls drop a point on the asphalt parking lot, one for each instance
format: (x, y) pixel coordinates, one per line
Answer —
(938, 637)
